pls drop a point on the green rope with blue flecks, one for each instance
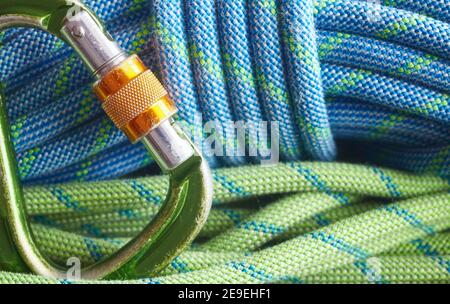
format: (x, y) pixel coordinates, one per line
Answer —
(385, 87)
(309, 223)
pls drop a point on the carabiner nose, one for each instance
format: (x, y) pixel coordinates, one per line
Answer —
(139, 105)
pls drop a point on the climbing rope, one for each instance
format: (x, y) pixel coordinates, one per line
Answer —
(361, 76)
(370, 73)
(324, 222)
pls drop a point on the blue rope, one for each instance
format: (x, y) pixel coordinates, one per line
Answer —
(329, 70)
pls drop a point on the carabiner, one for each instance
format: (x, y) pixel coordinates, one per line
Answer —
(137, 104)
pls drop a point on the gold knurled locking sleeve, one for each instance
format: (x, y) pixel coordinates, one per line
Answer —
(134, 98)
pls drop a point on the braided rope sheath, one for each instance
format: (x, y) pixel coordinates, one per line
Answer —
(335, 225)
(367, 76)
(245, 64)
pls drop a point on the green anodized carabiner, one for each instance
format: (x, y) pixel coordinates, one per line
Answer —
(144, 114)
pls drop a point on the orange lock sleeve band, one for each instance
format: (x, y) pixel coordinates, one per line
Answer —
(134, 98)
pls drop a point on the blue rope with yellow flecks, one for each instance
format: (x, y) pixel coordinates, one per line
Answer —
(249, 61)
(345, 79)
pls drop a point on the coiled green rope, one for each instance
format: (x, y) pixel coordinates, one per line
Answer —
(312, 223)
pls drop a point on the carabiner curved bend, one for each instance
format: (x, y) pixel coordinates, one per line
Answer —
(138, 105)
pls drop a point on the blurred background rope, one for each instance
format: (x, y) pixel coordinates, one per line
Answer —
(360, 81)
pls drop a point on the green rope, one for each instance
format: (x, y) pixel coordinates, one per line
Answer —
(309, 223)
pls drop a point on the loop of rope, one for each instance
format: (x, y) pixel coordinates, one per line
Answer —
(333, 225)
(334, 73)
(304, 64)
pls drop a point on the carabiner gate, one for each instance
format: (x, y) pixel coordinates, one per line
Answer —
(139, 105)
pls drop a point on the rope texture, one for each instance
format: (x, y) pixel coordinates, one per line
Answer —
(334, 73)
(311, 223)
(367, 74)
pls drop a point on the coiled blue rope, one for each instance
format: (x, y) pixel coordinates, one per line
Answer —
(373, 75)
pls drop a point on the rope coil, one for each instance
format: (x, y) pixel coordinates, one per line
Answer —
(334, 225)
(232, 60)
